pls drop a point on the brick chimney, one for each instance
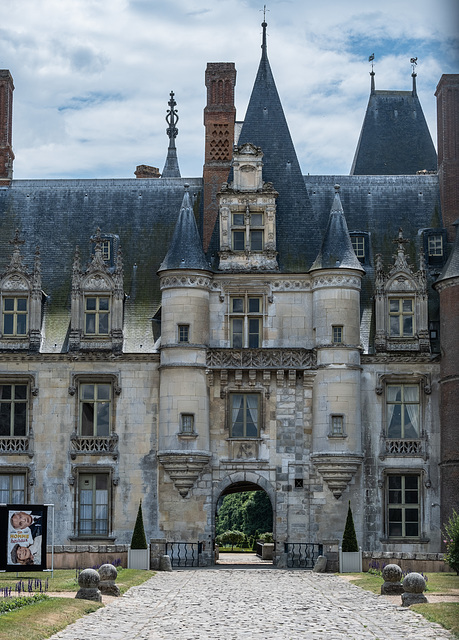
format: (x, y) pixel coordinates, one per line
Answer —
(219, 119)
(6, 127)
(144, 171)
(447, 94)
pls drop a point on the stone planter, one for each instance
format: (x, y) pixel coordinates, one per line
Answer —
(350, 561)
(139, 558)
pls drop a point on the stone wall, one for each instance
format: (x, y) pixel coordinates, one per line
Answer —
(86, 556)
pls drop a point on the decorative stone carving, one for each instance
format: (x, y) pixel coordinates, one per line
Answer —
(98, 277)
(392, 574)
(399, 281)
(337, 470)
(16, 279)
(184, 468)
(261, 358)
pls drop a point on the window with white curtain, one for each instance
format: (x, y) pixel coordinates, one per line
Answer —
(13, 488)
(93, 504)
(402, 405)
(244, 415)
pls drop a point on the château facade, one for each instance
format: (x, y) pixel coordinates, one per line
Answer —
(173, 340)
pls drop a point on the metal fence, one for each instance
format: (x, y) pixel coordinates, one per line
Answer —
(302, 555)
(184, 554)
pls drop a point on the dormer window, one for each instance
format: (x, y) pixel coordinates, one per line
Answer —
(15, 316)
(435, 245)
(97, 315)
(401, 304)
(247, 210)
(21, 300)
(247, 231)
(401, 315)
(97, 302)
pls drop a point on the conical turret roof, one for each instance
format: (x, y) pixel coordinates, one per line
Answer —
(337, 251)
(265, 126)
(451, 268)
(185, 251)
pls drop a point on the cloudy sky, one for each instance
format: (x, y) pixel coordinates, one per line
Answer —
(93, 77)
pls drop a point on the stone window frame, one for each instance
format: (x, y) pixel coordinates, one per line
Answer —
(28, 379)
(423, 486)
(97, 312)
(98, 280)
(342, 433)
(337, 334)
(17, 283)
(77, 379)
(247, 227)
(15, 314)
(401, 314)
(403, 448)
(187, 433)
(183, 333)
(246, 293)
(18, 470)
(112, 482)
(109, 245)
(260, 393)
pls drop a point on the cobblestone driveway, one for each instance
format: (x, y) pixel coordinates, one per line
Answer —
(255, 604)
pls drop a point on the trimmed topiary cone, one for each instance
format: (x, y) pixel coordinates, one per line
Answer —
(139, 540)
(349, 538)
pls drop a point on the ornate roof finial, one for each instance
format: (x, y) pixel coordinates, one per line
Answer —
(171, 168)
(172, 118)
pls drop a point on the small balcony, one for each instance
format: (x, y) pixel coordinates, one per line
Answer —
(94, 445)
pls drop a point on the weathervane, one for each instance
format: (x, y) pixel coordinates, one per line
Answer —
(414, 62)
(371, 59)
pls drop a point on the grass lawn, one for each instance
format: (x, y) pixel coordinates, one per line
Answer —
(444, 613)
(66, 579)
(41, 620)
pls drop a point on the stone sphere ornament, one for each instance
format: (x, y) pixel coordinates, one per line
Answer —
(392, 574)
(414, 585)
(89, 586)
(108, 575)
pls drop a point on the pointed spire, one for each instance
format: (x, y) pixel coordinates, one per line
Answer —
(265, 126)
(413, 75)
(337, 251)
(185, 250)
(171, 167)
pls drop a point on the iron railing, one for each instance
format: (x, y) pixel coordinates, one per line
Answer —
(184, 554)
(302, 555)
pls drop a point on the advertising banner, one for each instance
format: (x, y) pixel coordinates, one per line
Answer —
(23, 537)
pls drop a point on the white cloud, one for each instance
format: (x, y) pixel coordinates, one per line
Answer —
(93, 77)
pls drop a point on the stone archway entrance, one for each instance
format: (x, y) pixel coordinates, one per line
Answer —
(245, 505)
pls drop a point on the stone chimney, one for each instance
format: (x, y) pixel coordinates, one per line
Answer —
(447, 94)
(145, 171)
(219, 118)
(6, 127)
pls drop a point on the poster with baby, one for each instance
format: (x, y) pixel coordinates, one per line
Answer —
(23, 537)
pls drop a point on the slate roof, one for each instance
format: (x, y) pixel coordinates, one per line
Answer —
(336, 251)
(395, 138)
(185, 250)
(58, 215)
(265, 126)
(451, 268)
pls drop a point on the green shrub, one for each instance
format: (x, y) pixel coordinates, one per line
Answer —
(233, 538)
(9, 604)
(349, 538)
(451, 539)
(266, 537)
(139, 540)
